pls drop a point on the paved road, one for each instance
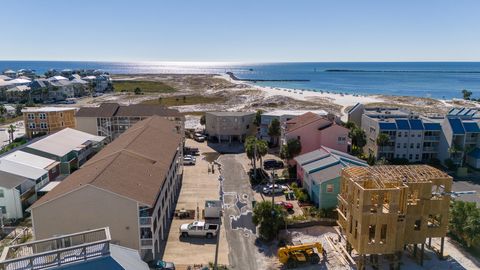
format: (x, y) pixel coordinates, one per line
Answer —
(240, 231)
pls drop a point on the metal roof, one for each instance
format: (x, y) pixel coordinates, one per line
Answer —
(471, 127)
(387, 126)
(457, 127)
(64, 141)
(402, 124)
(29, 159)
(432, 126)
(416, 124)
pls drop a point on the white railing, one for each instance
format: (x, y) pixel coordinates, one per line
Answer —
(57, 251)
(146, 221)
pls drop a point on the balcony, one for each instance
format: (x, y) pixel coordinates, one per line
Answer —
(145, 221)
(430, 149)
(58, 251)
(431, 138)
(386, 149)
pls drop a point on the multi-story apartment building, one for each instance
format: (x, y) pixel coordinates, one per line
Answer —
(111, 119)
(383, 208)
(461, 140)
(46, 120)
(229, 126)
(282, 116)
(410, 136)
(130, 186)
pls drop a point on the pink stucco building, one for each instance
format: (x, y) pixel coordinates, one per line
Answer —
(315, 131)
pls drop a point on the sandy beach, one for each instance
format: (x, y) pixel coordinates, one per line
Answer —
(221, 92)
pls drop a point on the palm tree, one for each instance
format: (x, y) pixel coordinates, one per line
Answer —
(255, 149)
(274, 131)
(382, 140)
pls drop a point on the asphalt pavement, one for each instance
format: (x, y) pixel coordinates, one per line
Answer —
(237, 199)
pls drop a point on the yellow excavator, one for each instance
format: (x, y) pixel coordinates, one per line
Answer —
(292, 256)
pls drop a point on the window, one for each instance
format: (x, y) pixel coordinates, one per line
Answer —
(42, 116)
(31, 116)
(329, 188)
(2, 194)
(417, 156)
(413, 135)
(31, 125)
(418, 145)
(62, 124)
(383, 234)
(404, 145)
(417, 225)
(410, 156)
(298, 138)
(371, 234)
(399, 134)
(43, 125)
(411, 146)
(434, 221)
(3, 209)
(61, 114)
(341, 140)
(398, 145)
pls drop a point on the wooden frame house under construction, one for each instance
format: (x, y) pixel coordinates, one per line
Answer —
(382, 209)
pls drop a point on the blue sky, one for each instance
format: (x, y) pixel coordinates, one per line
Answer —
(246, 30)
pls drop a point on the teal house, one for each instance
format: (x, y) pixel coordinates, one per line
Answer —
(319, 173)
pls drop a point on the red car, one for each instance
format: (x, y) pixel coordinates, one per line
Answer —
(286, 205)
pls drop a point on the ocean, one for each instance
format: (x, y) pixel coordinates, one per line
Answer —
(422, 79)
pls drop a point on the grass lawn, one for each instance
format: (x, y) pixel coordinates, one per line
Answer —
(185, 100)
(146, 86)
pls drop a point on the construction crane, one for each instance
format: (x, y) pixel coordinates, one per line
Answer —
(292, 256)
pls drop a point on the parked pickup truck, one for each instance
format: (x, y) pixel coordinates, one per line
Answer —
(199, 228)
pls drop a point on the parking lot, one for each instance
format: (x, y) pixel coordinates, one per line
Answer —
(198, 186)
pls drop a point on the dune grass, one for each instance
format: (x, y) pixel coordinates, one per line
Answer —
(145, 86)
(185, 100)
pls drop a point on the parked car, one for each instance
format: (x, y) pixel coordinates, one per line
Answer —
(270, 189)
(272, 164)
(199, 228)
(199, 137)
(191, 151)
(189, 160)
(288, 206)
(161, 265)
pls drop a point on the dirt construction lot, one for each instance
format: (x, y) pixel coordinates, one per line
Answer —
(198, 185)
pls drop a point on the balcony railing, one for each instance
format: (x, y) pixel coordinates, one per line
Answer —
(386, 148)
(431, 138)
(430, 149)
(145, 221)
(146, 242)
(58, 251)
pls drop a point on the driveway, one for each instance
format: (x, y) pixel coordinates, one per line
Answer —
(240, 231)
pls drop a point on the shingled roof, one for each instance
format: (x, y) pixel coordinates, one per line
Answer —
(306, 119)
(114, 109)
(134, 165)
